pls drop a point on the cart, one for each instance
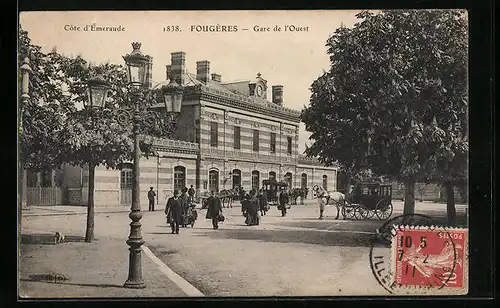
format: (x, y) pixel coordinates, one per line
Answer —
(271, 188)
(368, 200)
(190, 217)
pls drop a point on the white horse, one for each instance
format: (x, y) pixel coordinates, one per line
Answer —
(332, 198)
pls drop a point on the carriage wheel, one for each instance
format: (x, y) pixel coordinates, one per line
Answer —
(357, 212)
(366, 213)
(384, 209)
(348, 211)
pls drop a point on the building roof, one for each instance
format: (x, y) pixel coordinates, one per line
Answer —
(224, 95)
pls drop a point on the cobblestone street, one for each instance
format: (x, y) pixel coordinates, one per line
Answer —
(296, 255)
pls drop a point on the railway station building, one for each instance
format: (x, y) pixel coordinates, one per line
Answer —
(229, 134)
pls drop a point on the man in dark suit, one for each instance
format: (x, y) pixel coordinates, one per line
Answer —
(254, 207)
(262, 202)
(174, 212)
(184, 200)
(283, 200)
(151, 198)
(214, 209)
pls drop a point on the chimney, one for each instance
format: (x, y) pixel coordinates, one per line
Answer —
(216, 77)
(178, 67)
(278, 95)
(169, 71)
(203, 71)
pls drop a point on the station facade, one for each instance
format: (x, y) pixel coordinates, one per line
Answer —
(229, 134)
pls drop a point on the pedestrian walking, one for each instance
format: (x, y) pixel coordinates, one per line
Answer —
(283, 201)
(173, 210)
(262, 202)
(151, 198)
(252, 209)
(191, 193)
(184, 201)
(214, 209)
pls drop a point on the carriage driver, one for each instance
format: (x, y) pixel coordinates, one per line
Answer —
(322, 204)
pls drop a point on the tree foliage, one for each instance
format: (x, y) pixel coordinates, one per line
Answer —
(44, 114)
(395, 97)
(54, 130)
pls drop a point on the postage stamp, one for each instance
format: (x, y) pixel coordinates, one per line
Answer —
(433, 258)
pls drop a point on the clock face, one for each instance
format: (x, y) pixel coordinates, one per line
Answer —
(259, 90)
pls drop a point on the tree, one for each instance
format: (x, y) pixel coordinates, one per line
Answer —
(93, 137)
(54, 131)
(44, 114)
(395, 98)
(96, 137)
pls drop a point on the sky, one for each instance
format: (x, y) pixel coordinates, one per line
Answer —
(293, 59)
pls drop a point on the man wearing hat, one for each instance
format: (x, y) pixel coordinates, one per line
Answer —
(151, 198)
(173, 211)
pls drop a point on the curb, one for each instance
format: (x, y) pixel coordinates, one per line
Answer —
(65, 214)
(180, 282)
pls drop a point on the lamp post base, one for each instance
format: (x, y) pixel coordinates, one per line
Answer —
(135, 284)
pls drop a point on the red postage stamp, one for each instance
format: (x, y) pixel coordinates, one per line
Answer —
(431, 257)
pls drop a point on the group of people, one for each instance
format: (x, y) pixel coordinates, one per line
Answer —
(152, 195)
(256, 201)
(180, 207)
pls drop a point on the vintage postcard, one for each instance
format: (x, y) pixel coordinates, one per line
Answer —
(243, 153)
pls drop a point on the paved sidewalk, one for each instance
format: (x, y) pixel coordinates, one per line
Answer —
(97, 269)
(70, 210)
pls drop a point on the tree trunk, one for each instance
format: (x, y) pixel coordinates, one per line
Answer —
(409, 205)
(347, 183)
(450, 203)
(89, 233)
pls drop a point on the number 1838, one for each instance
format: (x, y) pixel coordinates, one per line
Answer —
(175, 28)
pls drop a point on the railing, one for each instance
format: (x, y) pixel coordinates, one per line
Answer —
(44, 196)
(77, 196)
(175, 144)
(302, 159)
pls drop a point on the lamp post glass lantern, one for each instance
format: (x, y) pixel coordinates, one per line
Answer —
(136, 65)
(97, 92)
(173, 97)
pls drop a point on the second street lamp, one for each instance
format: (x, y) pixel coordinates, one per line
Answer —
(140, 113)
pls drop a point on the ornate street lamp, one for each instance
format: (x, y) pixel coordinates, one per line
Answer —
(97, 92)
(143, 102)
(25, 76)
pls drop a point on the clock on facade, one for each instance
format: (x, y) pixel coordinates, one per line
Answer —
(260, 90)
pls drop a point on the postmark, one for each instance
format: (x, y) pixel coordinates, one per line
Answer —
(445, 250)
(429, 257)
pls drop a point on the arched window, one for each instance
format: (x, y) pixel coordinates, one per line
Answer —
(126, 176)
(272, 175)
(255, 180)
(303, 181)
(213, 180)
(236, 178)
(179, 177)
(288, 179)
(325, 182)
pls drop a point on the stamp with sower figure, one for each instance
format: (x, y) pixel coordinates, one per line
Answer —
(430, 257)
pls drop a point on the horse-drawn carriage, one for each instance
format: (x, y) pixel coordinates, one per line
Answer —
(367, 200)
(271, 189)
